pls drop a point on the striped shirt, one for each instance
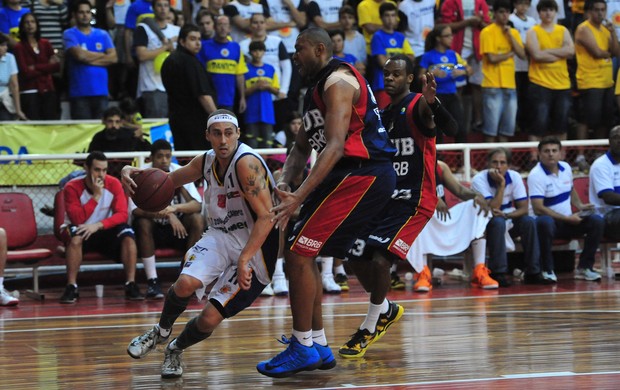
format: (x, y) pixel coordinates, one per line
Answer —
(53, 19)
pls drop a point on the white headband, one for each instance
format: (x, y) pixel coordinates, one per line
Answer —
(222, 118)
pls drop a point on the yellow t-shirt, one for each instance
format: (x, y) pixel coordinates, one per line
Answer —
(368, 12)
(493, 41)
(551, 75)
(594, 72)
(618, 84)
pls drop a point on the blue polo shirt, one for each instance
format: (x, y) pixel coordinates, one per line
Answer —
(514, 190)
(554, 189)
(86, 79)
(604, 177)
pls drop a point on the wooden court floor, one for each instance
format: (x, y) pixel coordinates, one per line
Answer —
(456, 337)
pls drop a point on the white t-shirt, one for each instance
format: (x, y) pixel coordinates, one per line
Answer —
(554, 189)
(604, 177)
(420, 21)
(522, 26)
(148, 79)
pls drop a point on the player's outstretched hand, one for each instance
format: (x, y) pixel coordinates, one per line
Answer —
(429, 87)
(289, 202)
(126, 173)
(244, 276)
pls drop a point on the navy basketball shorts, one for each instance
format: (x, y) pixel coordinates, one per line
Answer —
(395, 230)
(341, 209)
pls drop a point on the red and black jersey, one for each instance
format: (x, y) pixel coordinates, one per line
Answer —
(415, 157)
(366, 138)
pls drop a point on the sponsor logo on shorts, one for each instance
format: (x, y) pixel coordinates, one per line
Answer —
(402, 245)
(382, 240)
(309, 243)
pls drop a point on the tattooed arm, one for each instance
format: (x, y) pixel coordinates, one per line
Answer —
(252, 177)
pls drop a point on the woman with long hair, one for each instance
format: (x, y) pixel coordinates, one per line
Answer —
(449, 70)
(37, 62)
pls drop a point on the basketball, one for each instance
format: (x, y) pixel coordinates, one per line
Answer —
(154, 190)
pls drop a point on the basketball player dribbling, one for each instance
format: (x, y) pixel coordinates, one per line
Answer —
(239, 249)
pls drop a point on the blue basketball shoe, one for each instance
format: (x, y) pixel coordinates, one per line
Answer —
(329, 361)
(295, 358)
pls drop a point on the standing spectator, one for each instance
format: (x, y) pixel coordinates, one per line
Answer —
(119, 71)
(89, 52)
(506, 195)
(447, 66)
(386, 43)
(10, 15)
(225, 65)
(190, 93)
(596, 44)
(499, 43)
(369, 18)
(337, 37)
(6, 299)
(560, 14)
(239, 13)
(151, 51)
(180, 225)
(137, 11)
(96, 218)
(37, 61)
(549, 46)
(206, 22)
(53, 17)
(261, 82)
(604, 191)
(10, 103)
(420, 18)
(354, 41)
(275, 52)
(467, 19)
(324, 14)
(551, 194)
(522, 23)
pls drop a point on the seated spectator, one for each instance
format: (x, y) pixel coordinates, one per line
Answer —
(179, 225)
(10, 103)
(505, 193)
(89, 52)
(37, 62)
(337, 37)
(6, 299)
(551, 194)
(261, 83)
(604, 192)
(499, 44)
(153, 41)
(10, 16)
(447, 66)
(354, 41)
(444, 234)
(96, 220)
(132, 118)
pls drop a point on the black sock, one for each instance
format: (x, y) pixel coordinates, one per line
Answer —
(173, 307)
(191, 335)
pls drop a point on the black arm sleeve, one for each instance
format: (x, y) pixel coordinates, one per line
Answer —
(444, 120)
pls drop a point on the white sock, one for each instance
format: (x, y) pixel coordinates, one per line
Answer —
(164, 332)
(326, 266)
(149, 267)
(173, 345)
(278, 272)
(374, 311)
(1, 282)
(339, 270)
(393, 268)
(479, 248)
(304, 338)
(318, 336)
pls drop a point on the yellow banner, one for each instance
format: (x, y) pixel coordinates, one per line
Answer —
(20, 139)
